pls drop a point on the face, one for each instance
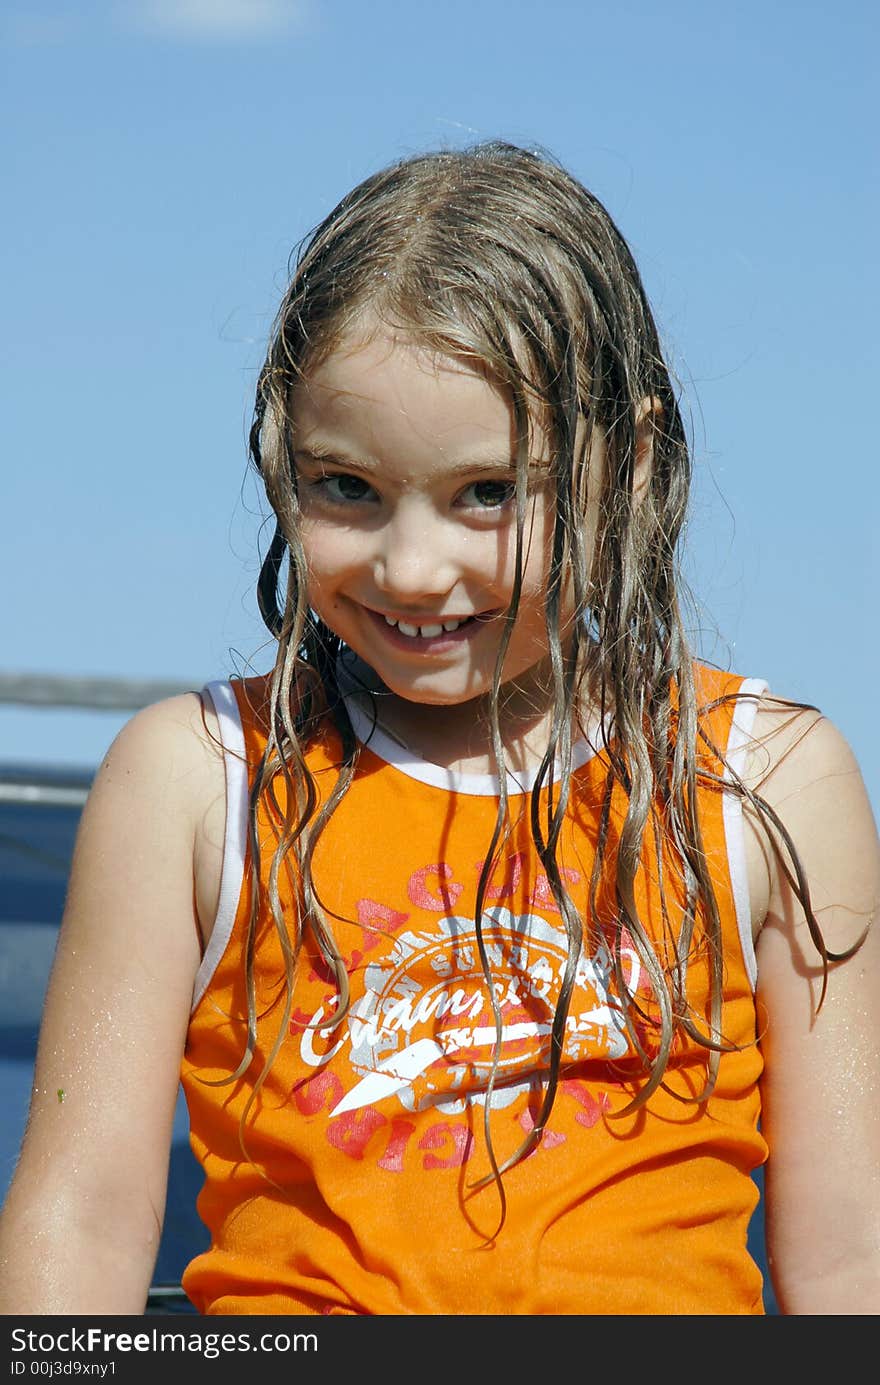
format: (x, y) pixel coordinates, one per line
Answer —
(405, 464)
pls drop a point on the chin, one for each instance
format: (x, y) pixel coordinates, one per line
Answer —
(433, 699)
(436, 697)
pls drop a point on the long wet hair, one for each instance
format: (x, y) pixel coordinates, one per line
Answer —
(497, 255)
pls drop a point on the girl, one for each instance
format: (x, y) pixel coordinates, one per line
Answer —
(498, 938)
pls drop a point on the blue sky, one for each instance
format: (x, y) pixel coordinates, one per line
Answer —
(162, 160)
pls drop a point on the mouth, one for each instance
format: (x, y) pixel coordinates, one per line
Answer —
(428, 634)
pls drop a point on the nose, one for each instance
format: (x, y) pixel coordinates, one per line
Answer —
(415, 555)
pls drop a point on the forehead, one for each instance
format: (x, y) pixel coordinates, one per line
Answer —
(375, 360)
(388, 382)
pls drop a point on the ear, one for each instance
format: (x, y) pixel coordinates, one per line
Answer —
(648, 413)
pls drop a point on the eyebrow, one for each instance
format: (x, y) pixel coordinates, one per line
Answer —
(319, 454)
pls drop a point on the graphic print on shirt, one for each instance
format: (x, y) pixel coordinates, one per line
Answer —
(424, 1031)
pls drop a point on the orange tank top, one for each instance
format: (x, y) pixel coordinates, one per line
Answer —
(354, 1190)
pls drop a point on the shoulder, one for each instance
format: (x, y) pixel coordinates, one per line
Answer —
(813, 805)
(167, 750)
(794, 748)
(159, 793)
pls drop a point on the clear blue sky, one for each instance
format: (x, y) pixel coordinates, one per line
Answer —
(163, 159)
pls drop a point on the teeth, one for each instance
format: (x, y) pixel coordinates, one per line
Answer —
(427, 632)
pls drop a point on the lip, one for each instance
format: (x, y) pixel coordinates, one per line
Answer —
(421, 644)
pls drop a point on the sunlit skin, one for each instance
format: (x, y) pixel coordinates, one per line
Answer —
(405, 464)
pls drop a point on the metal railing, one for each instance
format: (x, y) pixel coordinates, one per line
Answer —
(93, 694)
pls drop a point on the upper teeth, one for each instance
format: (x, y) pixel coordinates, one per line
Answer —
(427, 632)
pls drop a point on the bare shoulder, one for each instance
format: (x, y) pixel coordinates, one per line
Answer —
(173, 742)
(793, 745)
(804, 770)
(163, 779)
(130, 926)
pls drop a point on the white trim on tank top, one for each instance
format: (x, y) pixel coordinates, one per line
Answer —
(748, 695)
(224, 702)
(371, 735)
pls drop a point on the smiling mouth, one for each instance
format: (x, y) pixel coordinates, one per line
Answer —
(429, 633)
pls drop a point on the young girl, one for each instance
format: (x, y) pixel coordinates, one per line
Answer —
(498, 938)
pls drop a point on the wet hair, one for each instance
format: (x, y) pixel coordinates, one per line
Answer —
(497, 255)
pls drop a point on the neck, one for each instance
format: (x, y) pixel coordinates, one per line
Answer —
(459, 738)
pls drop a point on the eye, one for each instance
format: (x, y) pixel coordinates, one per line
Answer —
(342, 489)
(488, 495)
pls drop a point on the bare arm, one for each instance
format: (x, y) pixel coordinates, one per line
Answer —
(81, 1225)
(821, 1088)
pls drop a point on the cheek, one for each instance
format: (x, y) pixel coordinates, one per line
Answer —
(328, 551)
